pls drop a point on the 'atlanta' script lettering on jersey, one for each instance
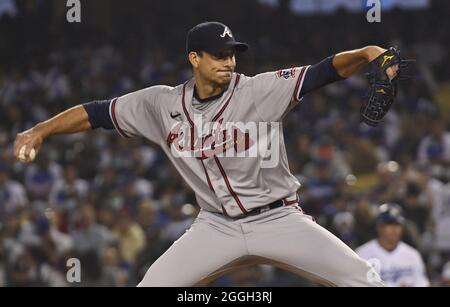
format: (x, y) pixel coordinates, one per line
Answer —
(218, 140)
(226, 139)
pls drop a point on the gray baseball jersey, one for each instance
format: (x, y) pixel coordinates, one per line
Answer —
(232, 154)
(230, 183)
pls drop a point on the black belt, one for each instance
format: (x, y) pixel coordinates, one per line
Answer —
(276, 204)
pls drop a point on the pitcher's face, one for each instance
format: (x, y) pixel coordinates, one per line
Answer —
(215, 68)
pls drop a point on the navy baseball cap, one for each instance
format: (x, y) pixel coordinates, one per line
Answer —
(212, 37)
(390, 214)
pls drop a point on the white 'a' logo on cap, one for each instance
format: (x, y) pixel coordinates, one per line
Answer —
(226, 31)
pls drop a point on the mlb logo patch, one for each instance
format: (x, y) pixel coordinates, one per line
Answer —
(286, 73)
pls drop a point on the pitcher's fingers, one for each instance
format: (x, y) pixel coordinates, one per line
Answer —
(21, 156)
(21, 153)
(27, 151)
(17, 145)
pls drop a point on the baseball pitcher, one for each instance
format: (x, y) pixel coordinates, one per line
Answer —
(221, 130)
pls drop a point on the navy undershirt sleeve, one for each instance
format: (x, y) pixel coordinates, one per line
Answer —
(98, 113)
(319, 75)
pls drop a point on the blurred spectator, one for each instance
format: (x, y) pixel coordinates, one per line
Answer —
(28, 259)
(398, 264)
(112, 262)
(324, 151)
(320, 188)
(90, 237)
(435, 147)
(388, 183)
(41, 176)
(416, 206)
(179, 223)
(154, 246)
(94, 271)
(69, 190)
(343, 228)
(40, 232)
(131, 237)
(363, 158)
(107, 216)
(148, 214)
(24, 271)
(364, 214)
(435, 194)
(12, 193)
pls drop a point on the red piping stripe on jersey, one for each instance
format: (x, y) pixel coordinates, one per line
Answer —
(238, 76)
(113, 115)
(207, 177)
(222, 171)
(212, 188)
(184, 105)
(230, 189)
(299, 81)
(186, 113)
(291, 202)
(216, 117)
(296, 203)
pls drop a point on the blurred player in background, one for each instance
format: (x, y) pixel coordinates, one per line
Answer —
(399, 264)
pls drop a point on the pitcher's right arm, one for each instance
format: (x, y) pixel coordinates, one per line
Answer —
(73, 120)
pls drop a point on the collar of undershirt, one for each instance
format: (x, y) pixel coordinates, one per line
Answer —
(208, 99)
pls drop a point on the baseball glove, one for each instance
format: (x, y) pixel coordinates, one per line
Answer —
(382, 90)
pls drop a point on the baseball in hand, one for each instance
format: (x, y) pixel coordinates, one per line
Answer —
(22, 157)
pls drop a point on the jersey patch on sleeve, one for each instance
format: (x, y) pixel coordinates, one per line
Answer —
(286, 73)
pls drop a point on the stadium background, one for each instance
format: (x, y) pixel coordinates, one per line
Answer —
(117, 204)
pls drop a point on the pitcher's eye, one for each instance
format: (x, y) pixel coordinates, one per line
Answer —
(224, 54)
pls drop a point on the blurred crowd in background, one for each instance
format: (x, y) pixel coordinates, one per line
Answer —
(117, 204)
